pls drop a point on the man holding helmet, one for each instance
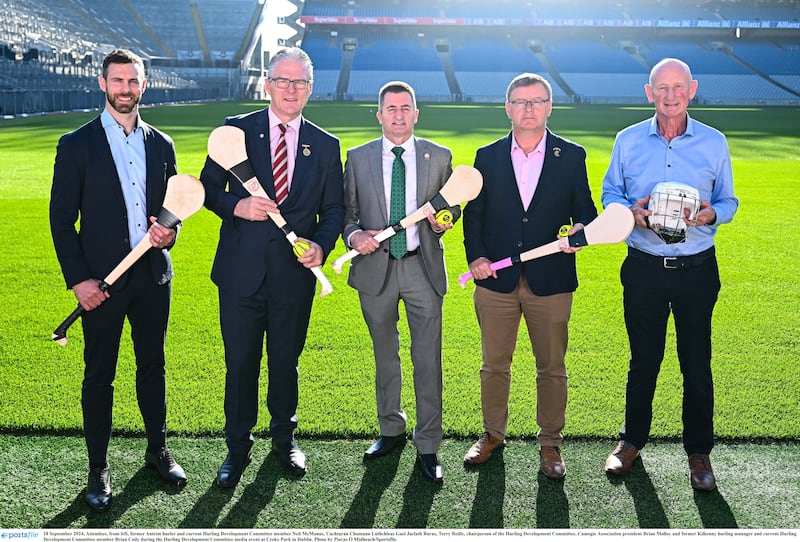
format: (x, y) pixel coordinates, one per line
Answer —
(675, 175)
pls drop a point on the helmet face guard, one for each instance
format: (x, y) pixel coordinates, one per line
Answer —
(671, 206)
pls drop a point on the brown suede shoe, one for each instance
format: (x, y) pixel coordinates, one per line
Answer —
(700, 473)
(621, 459)
(482, 450)
(552, 465)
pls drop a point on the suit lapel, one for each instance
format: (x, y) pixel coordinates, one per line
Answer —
(506, 171)
(423, 171)
(151, 165)
(258, 152)
(375, 173)
(105, 163)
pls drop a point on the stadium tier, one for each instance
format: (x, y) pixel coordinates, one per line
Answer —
(600, 51)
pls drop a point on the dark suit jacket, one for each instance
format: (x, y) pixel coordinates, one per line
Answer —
(247, 250)
(366, 210)
(497, 226)
(86, 186)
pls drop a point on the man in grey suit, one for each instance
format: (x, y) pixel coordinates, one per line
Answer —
(385, 180)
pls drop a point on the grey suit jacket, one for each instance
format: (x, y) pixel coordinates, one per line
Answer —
(365, 209)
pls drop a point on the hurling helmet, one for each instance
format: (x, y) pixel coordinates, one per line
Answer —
(671, 205)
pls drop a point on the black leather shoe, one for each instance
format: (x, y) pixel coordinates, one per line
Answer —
(383, 446)
(431, 468)
(292, 457)
(230, 472)
(98, 490)
(166, 467)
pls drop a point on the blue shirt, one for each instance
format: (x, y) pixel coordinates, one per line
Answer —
(642, 157)
(130, 161)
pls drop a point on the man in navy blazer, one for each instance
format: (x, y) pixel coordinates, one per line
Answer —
(263, 287)
(533, 183)
(111, 174)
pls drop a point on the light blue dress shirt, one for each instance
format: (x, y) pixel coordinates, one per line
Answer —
(130, 161)
(700, 158)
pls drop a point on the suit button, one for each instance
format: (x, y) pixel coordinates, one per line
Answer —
(525, 220)
(519, 244)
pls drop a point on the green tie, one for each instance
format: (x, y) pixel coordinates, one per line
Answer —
(397, 204)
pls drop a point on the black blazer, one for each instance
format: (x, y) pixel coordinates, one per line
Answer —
(497, 226)
(86, 187)
(247, 250)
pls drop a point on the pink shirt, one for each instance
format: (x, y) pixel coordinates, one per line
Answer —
(527, 169)
(292, 135)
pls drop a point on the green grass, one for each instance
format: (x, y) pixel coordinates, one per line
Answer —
(756, 346)
(341, 492)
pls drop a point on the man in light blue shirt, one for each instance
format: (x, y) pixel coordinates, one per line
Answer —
(660, 277)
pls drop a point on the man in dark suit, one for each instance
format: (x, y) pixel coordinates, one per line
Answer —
(533, 182)
(385, 180)
(263, 288)
(112, 174)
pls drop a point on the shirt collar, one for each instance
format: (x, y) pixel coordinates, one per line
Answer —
(108, 121)
(689, 126)
(274, 121)
(408, 145)
(539, 147)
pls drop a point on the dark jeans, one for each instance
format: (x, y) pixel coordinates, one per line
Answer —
(650, 293)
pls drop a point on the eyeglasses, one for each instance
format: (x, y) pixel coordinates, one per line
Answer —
(283, 83)
(536, 103)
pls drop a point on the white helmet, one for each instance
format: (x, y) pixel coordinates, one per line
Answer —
(671, 205)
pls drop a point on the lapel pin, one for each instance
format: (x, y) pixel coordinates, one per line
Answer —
(306, 150)
(557, 151)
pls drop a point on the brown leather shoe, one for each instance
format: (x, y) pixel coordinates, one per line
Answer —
(700, 473)
(552, 465)
(621, 459)
(482, 450)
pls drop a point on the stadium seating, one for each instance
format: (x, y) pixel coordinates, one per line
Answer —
(742, 51)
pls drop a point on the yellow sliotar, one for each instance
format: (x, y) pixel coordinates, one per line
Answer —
(444, 217)
(563, 231)
(300, 248)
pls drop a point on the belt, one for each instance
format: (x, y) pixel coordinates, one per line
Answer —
(672, 262)
(406, 255)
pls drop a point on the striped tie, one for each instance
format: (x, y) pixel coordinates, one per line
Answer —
(280, 167)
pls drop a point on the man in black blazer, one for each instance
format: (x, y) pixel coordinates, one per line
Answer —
(533, 182)
(111, 174)
(263, 288)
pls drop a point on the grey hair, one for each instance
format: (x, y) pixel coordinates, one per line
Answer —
(526, 80)
(292, 53)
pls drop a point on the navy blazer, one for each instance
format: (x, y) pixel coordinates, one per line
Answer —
(250, 250)
(497, 226)
(86, 187)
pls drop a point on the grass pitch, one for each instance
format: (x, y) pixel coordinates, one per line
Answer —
(756, 347)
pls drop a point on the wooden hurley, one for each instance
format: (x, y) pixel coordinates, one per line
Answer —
(184, 197)
(227, 148)
(464, 184)
(614, 225)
